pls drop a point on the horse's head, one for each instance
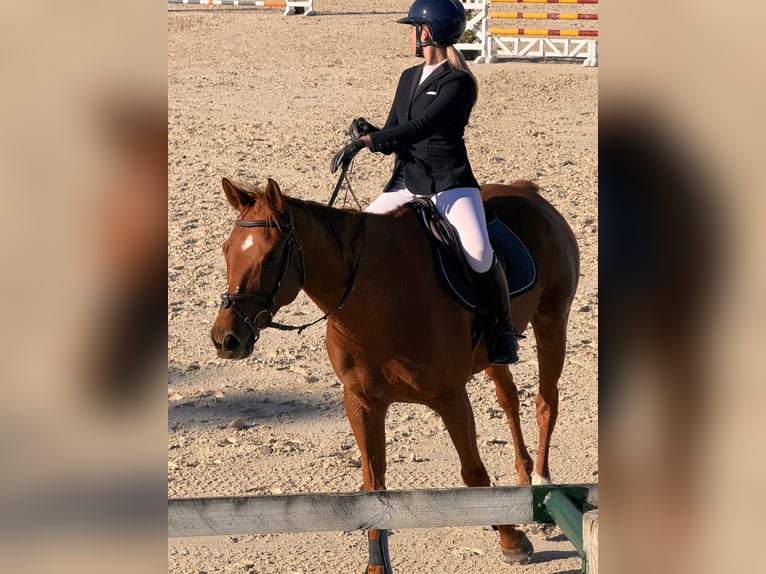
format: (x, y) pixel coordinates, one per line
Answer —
(264, 268)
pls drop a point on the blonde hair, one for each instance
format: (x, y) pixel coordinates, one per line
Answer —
(457, 61)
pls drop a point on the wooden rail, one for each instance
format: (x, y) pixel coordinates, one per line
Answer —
(391, 509)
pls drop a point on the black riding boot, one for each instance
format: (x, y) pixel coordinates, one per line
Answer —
(502, 346)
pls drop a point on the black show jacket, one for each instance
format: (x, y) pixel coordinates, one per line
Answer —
(425, 128)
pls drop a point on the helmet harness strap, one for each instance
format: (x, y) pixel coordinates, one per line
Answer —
(420, 44)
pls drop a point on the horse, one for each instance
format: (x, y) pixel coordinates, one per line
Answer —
(393, 333)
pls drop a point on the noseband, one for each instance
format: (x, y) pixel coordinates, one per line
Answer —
(263, 318)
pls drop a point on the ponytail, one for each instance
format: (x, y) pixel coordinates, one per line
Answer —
(457, 61)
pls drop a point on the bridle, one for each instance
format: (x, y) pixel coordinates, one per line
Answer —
(264, 318)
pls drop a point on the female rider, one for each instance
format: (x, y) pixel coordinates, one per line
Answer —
(424, 129)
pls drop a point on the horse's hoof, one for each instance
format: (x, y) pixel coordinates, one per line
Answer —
(520, 555)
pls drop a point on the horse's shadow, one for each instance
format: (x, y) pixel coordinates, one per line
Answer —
(254, 407)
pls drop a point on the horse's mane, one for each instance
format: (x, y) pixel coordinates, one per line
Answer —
(250, 189)
(337, 224)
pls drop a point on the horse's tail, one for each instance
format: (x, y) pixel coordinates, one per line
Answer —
(526, 185)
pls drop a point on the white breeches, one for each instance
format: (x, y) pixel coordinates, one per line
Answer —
(462, 208)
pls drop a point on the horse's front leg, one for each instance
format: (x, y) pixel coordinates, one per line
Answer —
(368, 418)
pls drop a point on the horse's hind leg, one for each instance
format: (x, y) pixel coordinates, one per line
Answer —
(508, 397)
(550, 334)
(457, 414)
(368, 418)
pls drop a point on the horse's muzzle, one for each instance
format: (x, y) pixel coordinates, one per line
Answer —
(229, 346)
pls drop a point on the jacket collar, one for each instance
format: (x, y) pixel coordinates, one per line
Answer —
(417, 88)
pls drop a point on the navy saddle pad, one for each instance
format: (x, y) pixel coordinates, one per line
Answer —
(513, 255)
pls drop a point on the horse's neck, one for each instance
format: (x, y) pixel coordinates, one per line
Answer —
(330, 250)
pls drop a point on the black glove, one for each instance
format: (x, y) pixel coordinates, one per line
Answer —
(344, 156)
(361, 127)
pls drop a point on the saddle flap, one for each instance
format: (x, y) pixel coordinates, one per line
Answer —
(453, 269)
(440, 230)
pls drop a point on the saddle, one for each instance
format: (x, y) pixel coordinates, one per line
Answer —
(452, 267)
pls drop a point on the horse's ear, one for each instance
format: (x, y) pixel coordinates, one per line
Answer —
(274, 196)
(238, 198)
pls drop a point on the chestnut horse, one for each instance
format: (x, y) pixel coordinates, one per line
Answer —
(394, 334)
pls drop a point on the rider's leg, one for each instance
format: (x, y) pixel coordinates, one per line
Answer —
(464, 209)
(389, 200)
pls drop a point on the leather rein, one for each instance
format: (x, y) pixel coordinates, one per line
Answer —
(264, 318)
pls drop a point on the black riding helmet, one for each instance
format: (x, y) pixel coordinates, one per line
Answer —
(445, 19)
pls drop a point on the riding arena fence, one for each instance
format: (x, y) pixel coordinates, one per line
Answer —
(572, 507)
(497, 32)
(305, 7)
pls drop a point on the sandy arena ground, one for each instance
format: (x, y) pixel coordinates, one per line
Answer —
(253, 94)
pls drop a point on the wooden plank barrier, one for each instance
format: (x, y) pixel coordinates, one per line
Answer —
(390, 509)
(396, 509)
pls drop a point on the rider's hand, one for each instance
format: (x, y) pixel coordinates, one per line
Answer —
(344, 156)
(361, 127)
